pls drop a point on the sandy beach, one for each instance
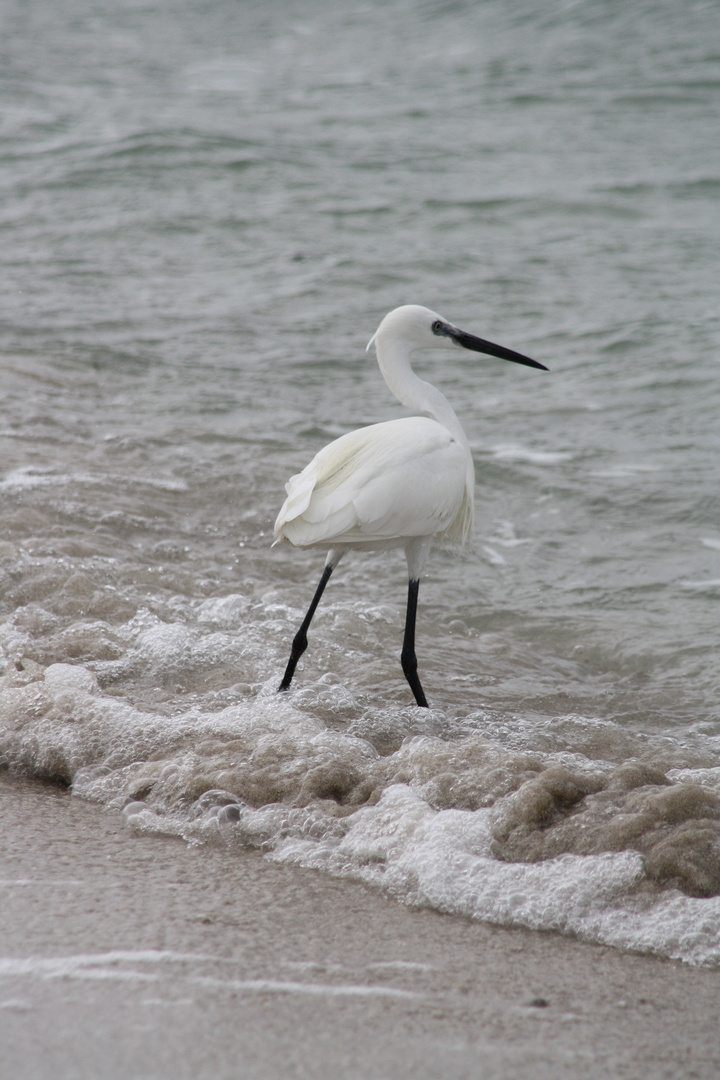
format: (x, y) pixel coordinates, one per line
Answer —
(140, 956)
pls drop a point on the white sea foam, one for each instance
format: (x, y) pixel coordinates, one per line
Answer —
(625, 470)
(516, 452)
(28, 477)
(25, 478)
(132, 967)
(266, 774)
(442, 860)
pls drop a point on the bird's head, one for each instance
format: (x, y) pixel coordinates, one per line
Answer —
(414, 327)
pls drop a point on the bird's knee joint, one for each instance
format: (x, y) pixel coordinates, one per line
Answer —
(409, 662)
(299, 645)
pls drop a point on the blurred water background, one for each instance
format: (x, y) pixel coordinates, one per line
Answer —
(205, 211)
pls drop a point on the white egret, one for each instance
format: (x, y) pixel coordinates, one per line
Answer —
(393, 485)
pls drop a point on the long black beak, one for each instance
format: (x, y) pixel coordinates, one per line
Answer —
(478, 344)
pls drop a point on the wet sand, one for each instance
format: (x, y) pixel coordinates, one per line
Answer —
(133, 956)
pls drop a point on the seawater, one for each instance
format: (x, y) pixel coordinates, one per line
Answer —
(206, 210)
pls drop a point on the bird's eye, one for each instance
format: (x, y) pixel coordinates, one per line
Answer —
(437, 327)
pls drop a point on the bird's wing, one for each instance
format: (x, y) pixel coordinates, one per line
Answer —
(399, 479)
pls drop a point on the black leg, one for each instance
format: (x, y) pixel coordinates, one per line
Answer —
(299, 644)
(408, 658)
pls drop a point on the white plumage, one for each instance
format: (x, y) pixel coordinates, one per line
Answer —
(397, 484)
(380, 486)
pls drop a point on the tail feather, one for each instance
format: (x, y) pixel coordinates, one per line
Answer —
(299, 490)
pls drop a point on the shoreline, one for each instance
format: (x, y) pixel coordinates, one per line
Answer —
(125, 954)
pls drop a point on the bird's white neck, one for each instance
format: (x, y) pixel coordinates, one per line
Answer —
(394, 360)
